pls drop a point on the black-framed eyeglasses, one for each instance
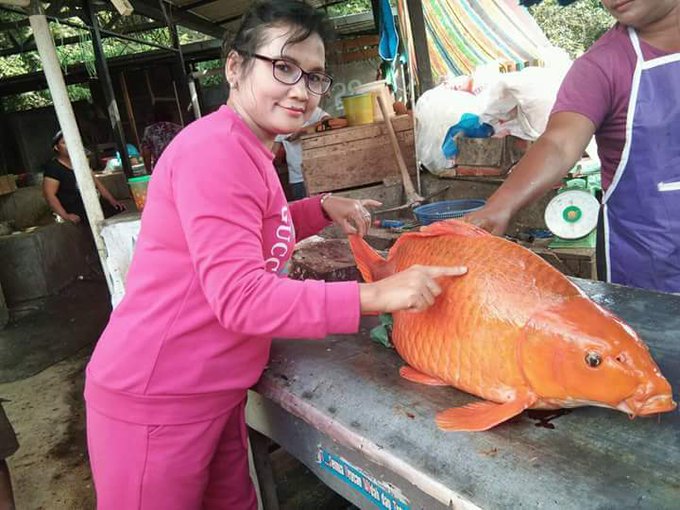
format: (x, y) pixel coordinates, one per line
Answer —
(289, 73)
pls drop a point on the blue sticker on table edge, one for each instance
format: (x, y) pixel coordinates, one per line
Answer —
(382, 494)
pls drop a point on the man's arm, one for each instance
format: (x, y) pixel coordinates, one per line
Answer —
(547, 161)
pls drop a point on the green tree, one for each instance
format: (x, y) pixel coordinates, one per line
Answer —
(349, 7)
(573, 28)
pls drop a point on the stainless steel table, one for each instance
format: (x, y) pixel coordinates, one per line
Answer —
(340, 407)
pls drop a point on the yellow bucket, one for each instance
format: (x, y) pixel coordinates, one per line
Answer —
(358, 108)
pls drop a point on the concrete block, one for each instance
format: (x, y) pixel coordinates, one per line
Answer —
(26, 207)
(116, 184)
(44, 261)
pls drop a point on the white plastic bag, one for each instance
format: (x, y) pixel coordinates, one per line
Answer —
(519, 103)
(436, 111)
(120, 239)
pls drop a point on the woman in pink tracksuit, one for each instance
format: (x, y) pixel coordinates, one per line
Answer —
(166, 386)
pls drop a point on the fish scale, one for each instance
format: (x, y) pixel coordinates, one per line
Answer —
(513, 330)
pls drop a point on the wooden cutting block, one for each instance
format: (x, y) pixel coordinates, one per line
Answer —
(330, 260)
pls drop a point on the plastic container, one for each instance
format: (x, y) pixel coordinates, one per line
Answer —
(138, 187)
(378, 88)
(138, 170)
(446, 210)
(358, 109)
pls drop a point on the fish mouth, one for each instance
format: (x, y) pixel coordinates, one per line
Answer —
(651, 405)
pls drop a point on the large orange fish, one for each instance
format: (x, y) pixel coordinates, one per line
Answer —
(513, 331)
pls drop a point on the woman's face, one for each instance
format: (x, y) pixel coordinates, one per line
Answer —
(267, 105)
(640, 13)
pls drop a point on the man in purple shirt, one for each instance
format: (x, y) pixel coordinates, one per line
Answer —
(626, 92)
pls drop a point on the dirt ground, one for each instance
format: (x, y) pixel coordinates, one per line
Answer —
(50, 470)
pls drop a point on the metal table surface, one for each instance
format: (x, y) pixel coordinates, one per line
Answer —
(340, 407)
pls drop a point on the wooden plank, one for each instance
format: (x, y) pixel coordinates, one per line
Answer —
(351, 133)
(405, 138)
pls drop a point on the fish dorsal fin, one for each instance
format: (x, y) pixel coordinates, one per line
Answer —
(453, 227)
(371, 265)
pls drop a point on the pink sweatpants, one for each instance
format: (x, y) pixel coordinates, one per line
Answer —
(170, 467)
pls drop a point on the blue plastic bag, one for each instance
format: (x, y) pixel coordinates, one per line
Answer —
(471, 127)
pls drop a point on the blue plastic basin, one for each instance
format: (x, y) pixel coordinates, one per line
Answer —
(446, 210)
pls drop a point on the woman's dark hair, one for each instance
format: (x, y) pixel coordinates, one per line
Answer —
(303, 19)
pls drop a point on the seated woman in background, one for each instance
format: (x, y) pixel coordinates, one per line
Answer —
(60, 188)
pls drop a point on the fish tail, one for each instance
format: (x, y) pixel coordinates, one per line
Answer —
(371, 265)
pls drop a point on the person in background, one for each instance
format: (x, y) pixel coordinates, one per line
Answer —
(8, 446)
(60, 188)
(626, 91)
(293, 148)
(158, 135)
(207, 289)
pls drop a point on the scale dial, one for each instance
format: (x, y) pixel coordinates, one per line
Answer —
(572, 214)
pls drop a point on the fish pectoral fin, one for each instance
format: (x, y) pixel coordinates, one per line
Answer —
(479, 416)
(413, 375)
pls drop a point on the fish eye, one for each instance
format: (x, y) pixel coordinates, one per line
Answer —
(593, 359)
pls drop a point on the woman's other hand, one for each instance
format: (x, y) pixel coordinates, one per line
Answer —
(353, 216)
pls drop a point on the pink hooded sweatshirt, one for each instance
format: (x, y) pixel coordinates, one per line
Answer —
(206, 292)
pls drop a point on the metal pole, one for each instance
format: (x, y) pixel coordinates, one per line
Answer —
(194, 98)
(107, 87)
(185, 81)
(194, 78)
(417, 21)
(67, 121)
(128, 107)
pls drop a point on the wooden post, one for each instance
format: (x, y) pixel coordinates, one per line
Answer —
(181, 68)
(107, 86)
(417, 21)
(128, 107)
(411, 195)
(67, 121)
